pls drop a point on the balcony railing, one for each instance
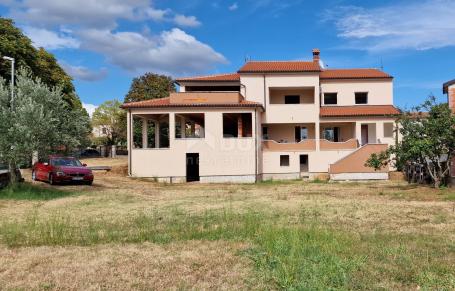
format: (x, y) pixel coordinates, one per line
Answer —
(304, 145)
(327, 145)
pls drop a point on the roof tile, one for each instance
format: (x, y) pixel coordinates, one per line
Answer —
(358, 110)
(232, 77)
(279, 66)
(353, 74)
(165, 102)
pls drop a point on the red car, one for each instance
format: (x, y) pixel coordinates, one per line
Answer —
(62, 169)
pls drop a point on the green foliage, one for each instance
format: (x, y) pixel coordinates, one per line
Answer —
(38, 120)
(426, 139)
(150, 86)
(110, 116)
(42, 64)
(25, 191)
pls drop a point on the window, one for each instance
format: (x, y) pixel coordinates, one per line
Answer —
(361, 97)
(190, 125)
(330, 98)
(265, 133)
(284, 160)
(292, 99)
(237, 125)
(332, 134)
(388, 129)
(301, 133)
(104, 130)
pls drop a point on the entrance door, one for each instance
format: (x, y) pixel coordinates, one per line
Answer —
(364, 130)
(192, 167)
(303, 163)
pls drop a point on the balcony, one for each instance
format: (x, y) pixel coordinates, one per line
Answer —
(304, 145)
(327, 145)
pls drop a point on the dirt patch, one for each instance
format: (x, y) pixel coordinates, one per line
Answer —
(191, 265)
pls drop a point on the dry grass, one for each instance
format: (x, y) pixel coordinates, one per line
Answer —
(392, 210)
(191, 265)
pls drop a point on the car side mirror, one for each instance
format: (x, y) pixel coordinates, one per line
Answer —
(84, 165)
(46, 164)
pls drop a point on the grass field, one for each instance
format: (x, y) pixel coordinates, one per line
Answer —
(133, 233)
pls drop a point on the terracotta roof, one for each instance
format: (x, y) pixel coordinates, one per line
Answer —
(165, 102)
(233, 77)
(279, 67)
(353, 74)
(358, 110)
(446, 85)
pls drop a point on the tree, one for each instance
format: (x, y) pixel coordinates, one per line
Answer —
(150, 86)
(427, 139)
(42, 64)
(110, 116)
(38, 120)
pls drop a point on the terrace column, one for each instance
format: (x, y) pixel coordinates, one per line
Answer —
(144, 133)
(183, 126)
(239, 126)
(379, 131)
(157, 134)
(317, 133)
(358, 132)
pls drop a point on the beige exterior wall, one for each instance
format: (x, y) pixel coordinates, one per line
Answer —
(259, 88)
(380, 92)
(233, 159)
(218, 156)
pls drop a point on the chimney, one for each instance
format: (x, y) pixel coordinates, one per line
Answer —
(316, 53)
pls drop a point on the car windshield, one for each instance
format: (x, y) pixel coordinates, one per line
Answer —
(65, 162)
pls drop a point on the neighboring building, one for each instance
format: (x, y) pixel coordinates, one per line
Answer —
(99, 131)
(270, 120)
(449, 89)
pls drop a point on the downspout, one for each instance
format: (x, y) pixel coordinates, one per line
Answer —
(256, 146)
(130, 151)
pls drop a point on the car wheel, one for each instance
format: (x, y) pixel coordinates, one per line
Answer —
(51, 179)
(90, 183)
(34, 176)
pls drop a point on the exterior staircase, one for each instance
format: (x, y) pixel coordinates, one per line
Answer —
(352, 166)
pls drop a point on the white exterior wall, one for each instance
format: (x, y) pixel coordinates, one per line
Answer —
(380, 92)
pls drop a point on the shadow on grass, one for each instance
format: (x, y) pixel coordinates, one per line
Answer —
(27, 191)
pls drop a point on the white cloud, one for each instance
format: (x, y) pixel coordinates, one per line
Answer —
(172, 52)
(50, 39)
(411, 25)
(189, 21)
(233, 7)
(90, 108)
(83, 73)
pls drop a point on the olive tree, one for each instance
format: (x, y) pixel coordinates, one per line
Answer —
(37, 120)
(426, 139)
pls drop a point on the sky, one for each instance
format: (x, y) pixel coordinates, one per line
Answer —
(104, 44)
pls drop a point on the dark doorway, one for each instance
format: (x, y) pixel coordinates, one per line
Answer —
(364, 130)
(192, 167)
(303, 163)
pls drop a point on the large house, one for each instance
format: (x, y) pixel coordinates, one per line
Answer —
(269, 120)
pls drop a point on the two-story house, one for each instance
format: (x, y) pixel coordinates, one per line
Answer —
(269, 120)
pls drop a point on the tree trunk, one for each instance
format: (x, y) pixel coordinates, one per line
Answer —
(12, 173)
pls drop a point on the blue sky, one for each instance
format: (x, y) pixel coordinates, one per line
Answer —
(103, 44)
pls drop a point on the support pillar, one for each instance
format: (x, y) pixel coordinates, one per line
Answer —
(239, 126)
(157, 134)
(144, 133)
(379, 132)
(358, 132)
(317, 135)
(183, 126)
